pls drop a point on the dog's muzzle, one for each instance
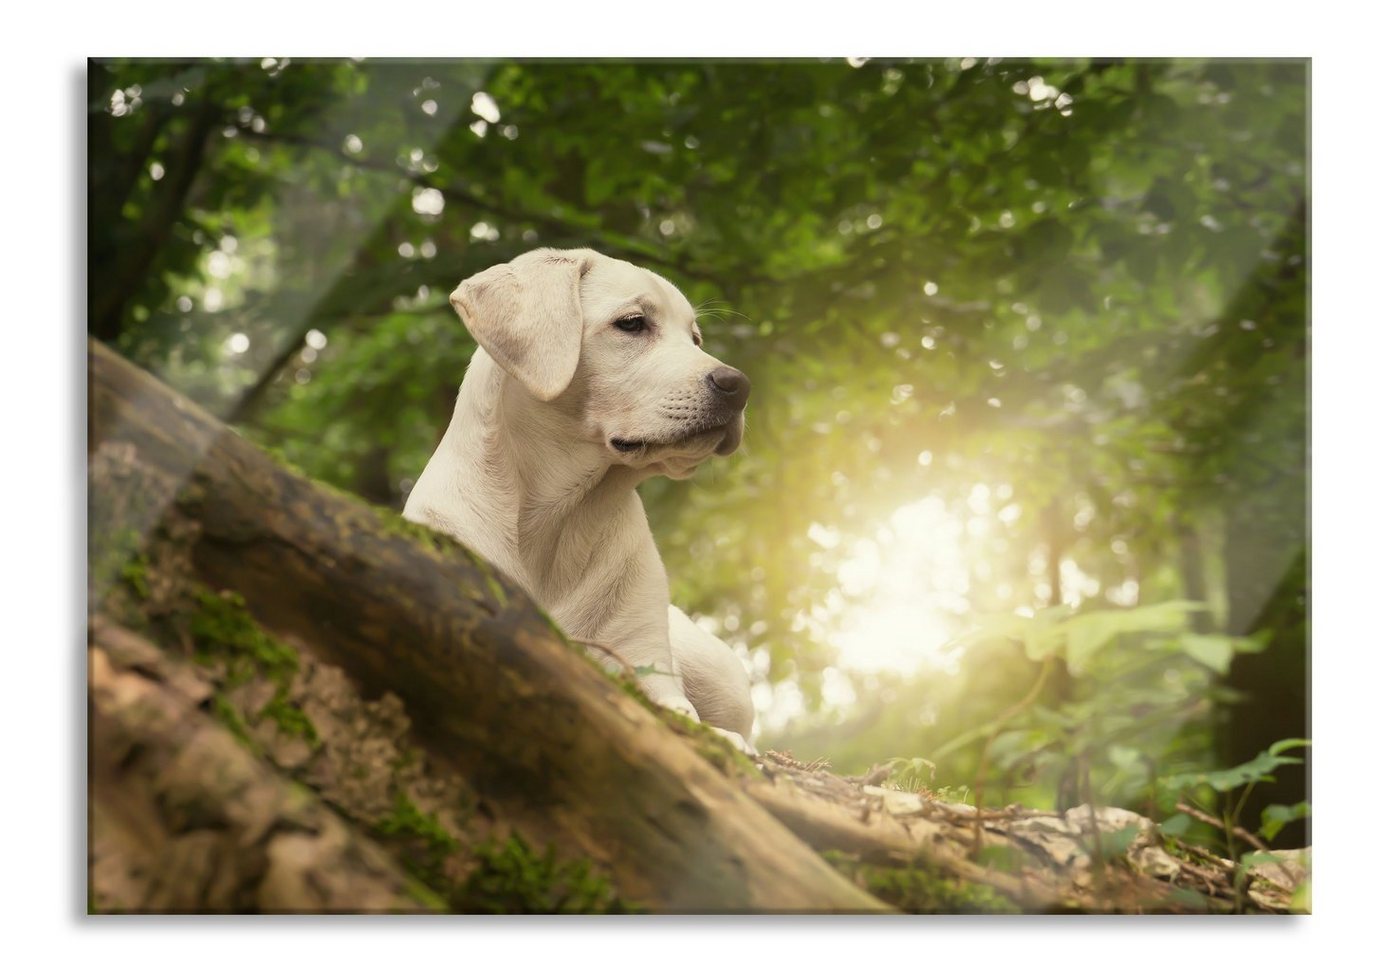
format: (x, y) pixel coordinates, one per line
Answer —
(729, 389)
(729, 393)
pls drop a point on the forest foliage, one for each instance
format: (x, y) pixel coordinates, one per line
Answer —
(1028, 342)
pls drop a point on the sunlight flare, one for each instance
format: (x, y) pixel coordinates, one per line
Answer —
(900, 590)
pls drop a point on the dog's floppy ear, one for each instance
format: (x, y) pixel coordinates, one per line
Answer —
(526, 314)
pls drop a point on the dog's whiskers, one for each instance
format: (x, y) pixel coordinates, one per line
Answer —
(707, 312)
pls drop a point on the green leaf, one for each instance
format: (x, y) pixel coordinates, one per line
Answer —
(1041, 640)
(1276, 816)
(1175, 825)
(1302, 897)
(1253, 644)
(1084, 637)
(1125, 758)
(1088, 633)
(1256, 770)
(1115, 843)
(1212, 651)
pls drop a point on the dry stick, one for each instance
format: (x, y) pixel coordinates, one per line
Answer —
(1206, 818)
(1206, 878)
(996, 725)
(1230, 814)
(605, 649)
(611, 653)
(1087, 783)
(1101, 872)
(953, 814)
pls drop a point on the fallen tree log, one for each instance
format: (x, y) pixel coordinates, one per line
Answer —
(493, 690)
(302, 703)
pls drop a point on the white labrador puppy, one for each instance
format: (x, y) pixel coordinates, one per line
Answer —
(588, 379)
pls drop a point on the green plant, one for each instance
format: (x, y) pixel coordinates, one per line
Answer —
(1276, 816)
(910, 773)
(511, 878)
(1232, 787)
(1117, 694)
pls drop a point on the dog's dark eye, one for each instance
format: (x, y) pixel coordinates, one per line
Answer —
(631, 324)
(696, 339)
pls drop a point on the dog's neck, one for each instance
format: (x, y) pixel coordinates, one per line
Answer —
(550, 490)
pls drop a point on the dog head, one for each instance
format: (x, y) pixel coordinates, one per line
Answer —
(612, 352)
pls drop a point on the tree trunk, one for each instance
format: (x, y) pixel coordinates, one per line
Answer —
(1193, 572)
(301, 703)
(117, 276)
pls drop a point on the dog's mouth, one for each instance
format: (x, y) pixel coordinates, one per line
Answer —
(731, 428)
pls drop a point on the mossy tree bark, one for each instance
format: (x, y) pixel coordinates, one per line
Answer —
(492, 689)
(301, 703)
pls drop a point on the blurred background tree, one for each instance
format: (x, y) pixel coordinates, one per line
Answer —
(1024, 488)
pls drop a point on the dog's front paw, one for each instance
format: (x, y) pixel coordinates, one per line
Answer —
(678, 703)
(738, 741)
(665, 690)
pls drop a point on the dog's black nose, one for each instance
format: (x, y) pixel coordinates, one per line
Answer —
(731, 385)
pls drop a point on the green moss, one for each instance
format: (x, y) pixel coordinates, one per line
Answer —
(279, 456)
(423, 842)
(1000, 857)
(507, 877)
(408, 819)
(633, 689)
(290, 719)
(410, 756)
(511, 878)
(441, 543)
(494, 586)
(395, 524)
(227, 713)
(425, 896)
(916, 889)
(717, 750)
(136, 573)
(222, 628)
(224, 632)
(554, 626)
(118, 570)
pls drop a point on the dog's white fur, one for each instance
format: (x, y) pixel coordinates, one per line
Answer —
(561, 414)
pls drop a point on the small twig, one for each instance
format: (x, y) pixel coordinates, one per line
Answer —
(1086, 781)
(995, 727)
(787, 761)
(877, 774)
(1206, 877)
(1225, 864)
(1206, 818)
(627, 666)
(994, 814)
